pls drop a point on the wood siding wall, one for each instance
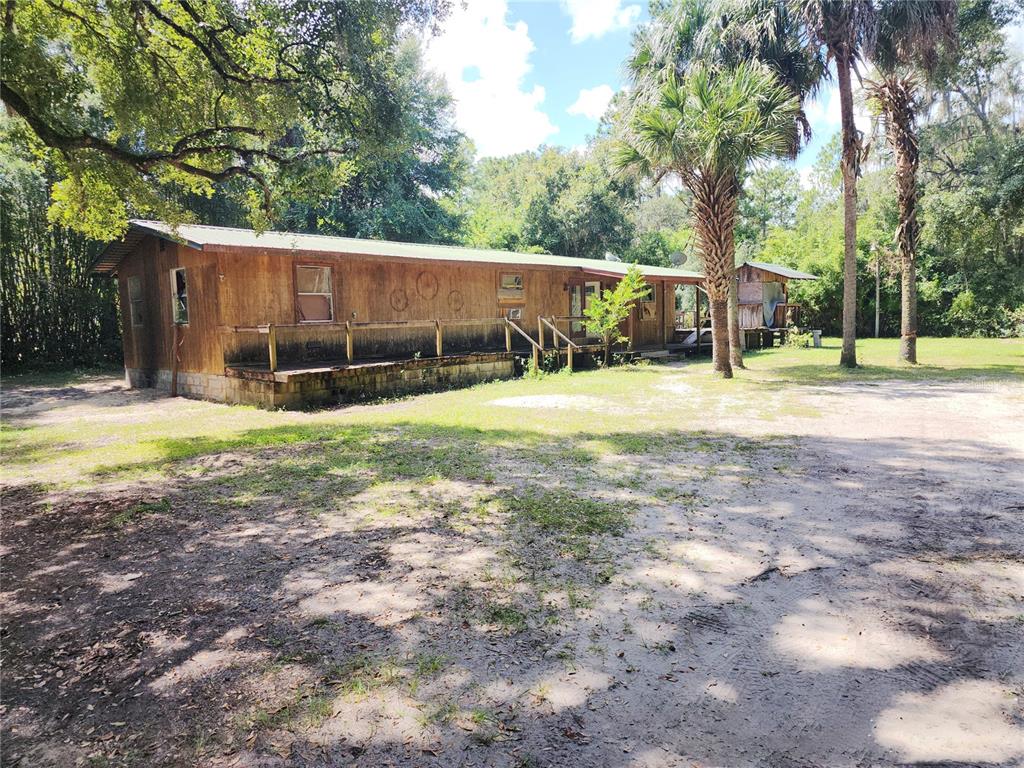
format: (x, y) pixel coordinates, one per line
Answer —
(149, 346)
(250, 287)
(751, 295)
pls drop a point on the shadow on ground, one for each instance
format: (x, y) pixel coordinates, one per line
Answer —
(331, 595)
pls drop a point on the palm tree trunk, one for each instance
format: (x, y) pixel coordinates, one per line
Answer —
(715, 204)
(735, 343)
(720, 344)
(896, 95)
(850, 165)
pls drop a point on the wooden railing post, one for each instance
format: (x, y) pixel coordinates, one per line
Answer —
(440, 339)
(569, 351)
(696, 314)
(348, 341)
(540, 331)
(272, 346)
(508, 336)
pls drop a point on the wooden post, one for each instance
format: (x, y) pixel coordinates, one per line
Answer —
(631, 326)
(569, 352)
(174, 360)
(665, 314)
(272, 346)
(696, 313)
(440, 339)
(554, 336)
(508, 336)
(540, 331)
(348, 341)
(536, 358)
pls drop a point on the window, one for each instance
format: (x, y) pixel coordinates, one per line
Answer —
(135, 301)
(179, 296)
(649, 303)
(510, 287)
(314, 296)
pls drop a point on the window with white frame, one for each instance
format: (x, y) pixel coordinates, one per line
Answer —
(314, 294)
(135, 301)
(179, 296)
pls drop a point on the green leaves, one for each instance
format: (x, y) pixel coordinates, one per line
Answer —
(141, 102)
(714, 122)
(605, 313)
(555, 200)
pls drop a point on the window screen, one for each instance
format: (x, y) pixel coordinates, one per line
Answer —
(649, 303)
(135, 300)
(179, 296)
(314, 295)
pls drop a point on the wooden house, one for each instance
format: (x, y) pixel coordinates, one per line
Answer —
(283, 319)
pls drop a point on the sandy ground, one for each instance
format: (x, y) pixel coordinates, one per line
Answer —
(845, 590)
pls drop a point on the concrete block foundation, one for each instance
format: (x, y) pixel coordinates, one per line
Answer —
(306, 387)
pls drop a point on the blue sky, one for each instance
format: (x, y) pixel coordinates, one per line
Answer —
(525, 74)
(565, 68)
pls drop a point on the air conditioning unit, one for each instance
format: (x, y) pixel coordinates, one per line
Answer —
(515, 313)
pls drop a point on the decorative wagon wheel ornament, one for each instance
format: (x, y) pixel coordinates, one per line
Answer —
(455, 301)
(426, 285)
(399, 300)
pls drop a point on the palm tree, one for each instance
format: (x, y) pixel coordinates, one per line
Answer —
(707, 128)
(909, 39)
(727, 33)
(845, 28)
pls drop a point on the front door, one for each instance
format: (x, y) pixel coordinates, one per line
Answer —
(581, 293)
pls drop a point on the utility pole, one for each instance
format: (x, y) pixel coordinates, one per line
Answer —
(878, 287)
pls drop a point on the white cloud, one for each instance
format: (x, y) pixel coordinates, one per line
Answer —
(596, 18)
(592, 102)
(825, 115)
(485, 60)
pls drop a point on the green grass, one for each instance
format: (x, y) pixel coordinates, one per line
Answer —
(568, 514)
(305, 707)
(940, 359)
(506, 617)
(62, 377)
(460, 434)
(362, 674)
(123, 518)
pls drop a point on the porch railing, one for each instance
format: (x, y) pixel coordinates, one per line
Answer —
(556, 335)
(349, 329)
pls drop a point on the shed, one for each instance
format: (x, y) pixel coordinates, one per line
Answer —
(764, 295)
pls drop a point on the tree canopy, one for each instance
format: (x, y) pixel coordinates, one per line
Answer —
(551, 201)
(328, 109)
(137, 101)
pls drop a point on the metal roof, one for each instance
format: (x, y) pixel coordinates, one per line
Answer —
(778, 269)
(203, 238)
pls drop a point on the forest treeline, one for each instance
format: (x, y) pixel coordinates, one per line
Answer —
(417, 181)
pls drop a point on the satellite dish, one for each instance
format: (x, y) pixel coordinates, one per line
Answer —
(609, 256)
(677, 258)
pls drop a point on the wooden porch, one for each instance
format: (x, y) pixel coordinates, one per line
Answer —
(560, 336)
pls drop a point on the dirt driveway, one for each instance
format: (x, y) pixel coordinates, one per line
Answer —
(845, 589)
